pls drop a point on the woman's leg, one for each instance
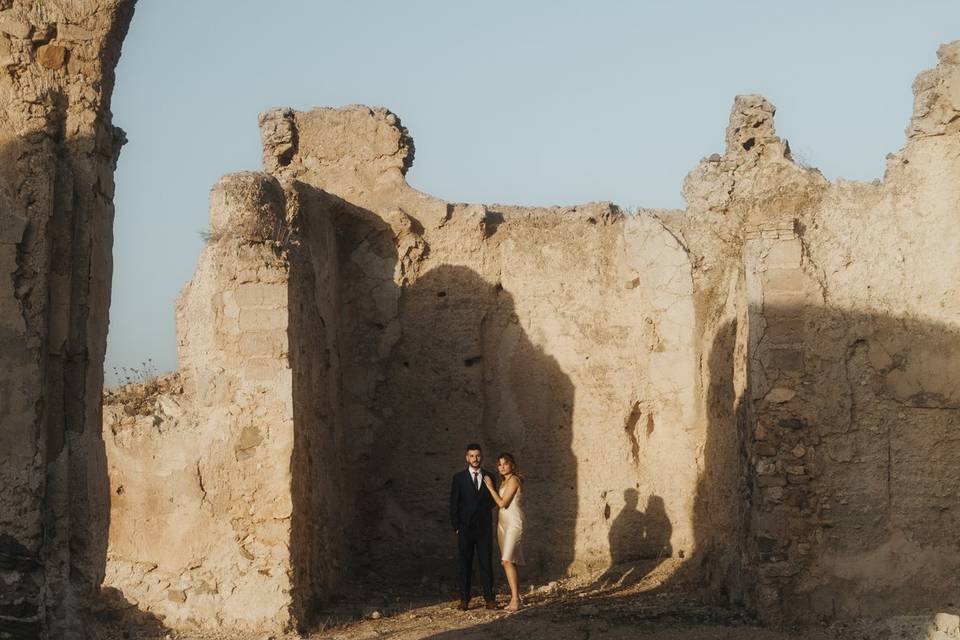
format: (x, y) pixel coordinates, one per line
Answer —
(511, 570)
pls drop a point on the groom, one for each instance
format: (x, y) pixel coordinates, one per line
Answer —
(470, 507)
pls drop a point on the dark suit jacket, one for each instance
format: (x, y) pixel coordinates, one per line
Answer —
(470, 508)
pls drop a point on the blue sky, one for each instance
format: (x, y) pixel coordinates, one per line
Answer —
(526, 102)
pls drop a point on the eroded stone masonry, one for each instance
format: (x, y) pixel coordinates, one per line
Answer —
(765, 384)
(58, 151)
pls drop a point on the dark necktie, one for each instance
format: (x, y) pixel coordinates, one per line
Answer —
(476, 480)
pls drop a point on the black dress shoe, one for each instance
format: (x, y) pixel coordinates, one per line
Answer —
(490, 604)
(464, 605)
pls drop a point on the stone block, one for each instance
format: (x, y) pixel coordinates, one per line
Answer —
(765, 449)
(779, 570)
(786, 254)
(947, 623)
(779, 395)
(268, 344)
(261, 369)
(784, 280)
(51, 56)
(772, 494)
(766, 467)
(841, 448)
(792, 423)
(784, 330)
(261, 319)
(785, 359)
(256, 294)
(768, 596)
(785, 300)
(771, 481)
(14, 27)
(73, 33)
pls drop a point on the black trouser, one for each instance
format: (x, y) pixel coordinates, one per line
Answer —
(481, 540)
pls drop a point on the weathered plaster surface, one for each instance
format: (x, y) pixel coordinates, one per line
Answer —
(762, 384)
(766, 382)
(223, 478)
(58, 151)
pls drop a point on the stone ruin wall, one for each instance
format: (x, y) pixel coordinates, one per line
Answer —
(474, 322)
(765, 380)
(856, 358)
(58, 151)
(785, 404)
(419, 338)
(851, 412)
(222, 476)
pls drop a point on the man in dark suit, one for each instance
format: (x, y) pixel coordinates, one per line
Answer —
(470, 507)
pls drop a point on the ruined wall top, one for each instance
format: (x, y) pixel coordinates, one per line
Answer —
(936, 106)
(368, 140)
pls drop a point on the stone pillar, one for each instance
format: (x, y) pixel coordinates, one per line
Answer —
(200, 478)
(779, 292)
(58, 151)
(225, 479)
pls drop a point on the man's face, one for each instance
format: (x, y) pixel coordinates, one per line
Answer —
(474, 458)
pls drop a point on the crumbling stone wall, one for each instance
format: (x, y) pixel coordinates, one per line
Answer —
(602, 348)
(854, 373)
(849, 304)
(761, 384)
(565, 335)
(397, 345)
(224, 484)
(58, 151)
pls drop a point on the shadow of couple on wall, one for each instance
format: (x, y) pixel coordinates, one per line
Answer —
(638, 541)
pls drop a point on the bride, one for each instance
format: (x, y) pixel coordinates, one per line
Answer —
(510, 522)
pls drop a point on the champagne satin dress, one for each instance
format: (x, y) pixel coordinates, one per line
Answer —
(510, 529)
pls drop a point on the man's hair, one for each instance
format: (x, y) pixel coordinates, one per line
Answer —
(473, 446)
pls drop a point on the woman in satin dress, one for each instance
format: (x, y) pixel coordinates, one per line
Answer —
(510, 522)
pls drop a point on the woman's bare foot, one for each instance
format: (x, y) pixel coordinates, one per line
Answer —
(513, 606)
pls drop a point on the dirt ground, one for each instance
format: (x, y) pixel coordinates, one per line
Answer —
(579, 609)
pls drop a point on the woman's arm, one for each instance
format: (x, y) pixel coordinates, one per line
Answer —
(511, 490)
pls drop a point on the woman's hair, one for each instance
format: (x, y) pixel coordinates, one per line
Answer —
(514, 467)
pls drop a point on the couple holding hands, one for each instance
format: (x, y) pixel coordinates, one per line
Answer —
(473, 493)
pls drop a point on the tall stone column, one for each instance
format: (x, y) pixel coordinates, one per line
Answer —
(58, 151)
(225, 477)
(781, 520)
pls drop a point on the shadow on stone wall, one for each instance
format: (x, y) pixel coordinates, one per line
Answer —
(55, 243)
(833, 492)
(713, 568)
(428, 367)
(323, 496)
(855, 487)
(639, 541)
(464, 370)
(840, 500)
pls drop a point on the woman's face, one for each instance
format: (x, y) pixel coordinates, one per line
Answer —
(504, 466)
